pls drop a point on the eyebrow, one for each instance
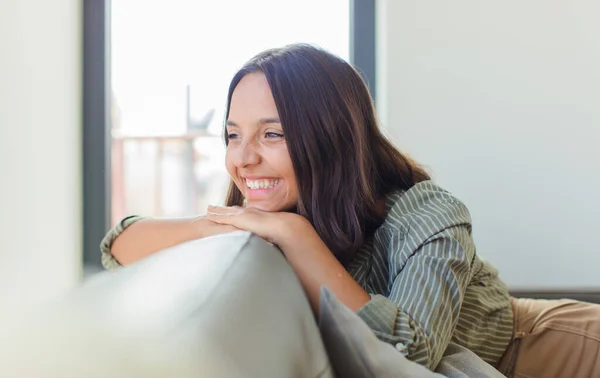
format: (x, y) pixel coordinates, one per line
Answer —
(262, 121)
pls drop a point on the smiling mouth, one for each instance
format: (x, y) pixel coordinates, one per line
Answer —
(263, 184)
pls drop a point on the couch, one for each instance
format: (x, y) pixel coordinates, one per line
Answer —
(224, 306)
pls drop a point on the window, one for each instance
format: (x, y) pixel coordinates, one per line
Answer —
(152, 134)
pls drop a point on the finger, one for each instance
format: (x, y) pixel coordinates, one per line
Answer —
(235, 219)
(224, 210)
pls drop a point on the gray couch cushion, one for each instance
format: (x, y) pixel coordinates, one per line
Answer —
(355, 351)
(229, 301)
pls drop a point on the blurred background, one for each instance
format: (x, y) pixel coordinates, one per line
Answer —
(116, 108)
(171, 63)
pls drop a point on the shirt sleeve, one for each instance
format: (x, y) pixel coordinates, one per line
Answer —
(421, 311)
(108, 260)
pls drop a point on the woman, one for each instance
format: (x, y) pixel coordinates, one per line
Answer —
(312, 173)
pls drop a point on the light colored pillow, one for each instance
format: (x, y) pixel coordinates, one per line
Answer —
(70, 342)
(355, 351)
(228, 306)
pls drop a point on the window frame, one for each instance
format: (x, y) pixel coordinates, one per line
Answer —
(96, 125)
(363, 39)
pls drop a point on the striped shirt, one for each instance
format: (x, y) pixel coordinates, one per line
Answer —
(428, 287)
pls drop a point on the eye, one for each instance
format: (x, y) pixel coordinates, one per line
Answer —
(232, 136)
(271, 134)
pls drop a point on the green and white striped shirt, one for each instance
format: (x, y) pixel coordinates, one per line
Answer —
(428, 286)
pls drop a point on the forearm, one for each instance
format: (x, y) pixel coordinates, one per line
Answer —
(148, 236)
(316, 266)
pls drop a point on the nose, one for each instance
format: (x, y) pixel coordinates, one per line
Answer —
(246, 154)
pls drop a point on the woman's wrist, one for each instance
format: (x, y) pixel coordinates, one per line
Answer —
(198, 227)
(291, 228)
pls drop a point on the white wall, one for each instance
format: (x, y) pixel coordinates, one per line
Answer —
(40, 160)
(502, 101)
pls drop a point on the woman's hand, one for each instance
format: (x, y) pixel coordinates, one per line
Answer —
(308, 255)
(271, 226)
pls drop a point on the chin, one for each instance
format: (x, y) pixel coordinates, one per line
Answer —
(265, 207)
(272, 208)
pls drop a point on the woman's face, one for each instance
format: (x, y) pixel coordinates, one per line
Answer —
(257, 157)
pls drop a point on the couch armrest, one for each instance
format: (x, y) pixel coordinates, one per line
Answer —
(229, 302)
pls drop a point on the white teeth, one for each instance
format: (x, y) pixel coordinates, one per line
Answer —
(261, 184)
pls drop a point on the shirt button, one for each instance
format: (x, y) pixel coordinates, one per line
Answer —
(401, 348)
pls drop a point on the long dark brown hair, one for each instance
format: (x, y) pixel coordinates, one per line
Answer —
(344, 165)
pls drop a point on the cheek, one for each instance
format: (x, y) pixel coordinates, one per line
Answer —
(289, 175)
(229, 163)
(283, 163)
(231, 169)
(291, 178)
